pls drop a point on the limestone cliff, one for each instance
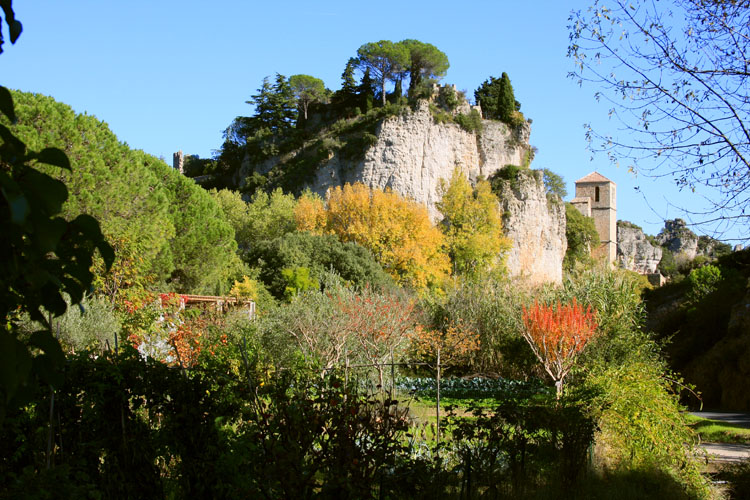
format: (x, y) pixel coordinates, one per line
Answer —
(412, 151)
(685, 244)
(678, 239)
(634, 251)
(536, 226)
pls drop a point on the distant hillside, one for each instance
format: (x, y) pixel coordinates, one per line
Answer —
(705, 317)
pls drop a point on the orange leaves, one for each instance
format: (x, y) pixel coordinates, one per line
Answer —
(557, 335)
(455, 343)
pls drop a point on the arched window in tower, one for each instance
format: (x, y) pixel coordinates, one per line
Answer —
(596, 193)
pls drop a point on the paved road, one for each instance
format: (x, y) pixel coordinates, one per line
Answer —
(741, 419)
(726, 452)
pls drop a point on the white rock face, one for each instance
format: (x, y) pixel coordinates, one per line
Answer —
(536, 226)
(679, 239)
(635, 252)
(413, 153)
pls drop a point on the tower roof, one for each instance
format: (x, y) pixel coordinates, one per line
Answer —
(593, 177)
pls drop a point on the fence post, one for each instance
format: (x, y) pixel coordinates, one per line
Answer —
(437, 406)
(393, 375)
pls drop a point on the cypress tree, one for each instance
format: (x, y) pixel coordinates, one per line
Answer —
(366, 92)
(506, 102)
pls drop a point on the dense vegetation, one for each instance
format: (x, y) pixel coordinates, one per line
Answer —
(705, 317)
(149, 399)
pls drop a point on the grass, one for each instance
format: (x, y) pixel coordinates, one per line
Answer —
(719, 432)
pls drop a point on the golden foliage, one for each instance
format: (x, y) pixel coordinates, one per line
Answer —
(397, 231)
(472, 226)
(310, 213)
(247, 288)
(455, 344)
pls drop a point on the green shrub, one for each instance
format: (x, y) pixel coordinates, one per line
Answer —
(318, 253)
(508, 173)
(93, 326)
(440, 116)
(703, 281)
(582, 238)
(491, 308)
(471, 122)
(297, 281)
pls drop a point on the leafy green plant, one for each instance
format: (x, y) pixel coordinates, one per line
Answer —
(582, 237)
(471, 122)
(703, 281)
(42, 254)
(297, 280)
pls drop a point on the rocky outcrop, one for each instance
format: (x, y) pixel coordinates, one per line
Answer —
(678, 239)
(686, 245)
(634, 251)
(413, 153)
(536, 227)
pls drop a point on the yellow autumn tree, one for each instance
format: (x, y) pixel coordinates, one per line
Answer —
(472, 226)
(310, 213)
(396, 230)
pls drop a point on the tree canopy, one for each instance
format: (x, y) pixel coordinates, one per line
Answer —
(581, 236)
(426, 61)
(675, 75)
(396, 230)
(161, 223)
(307, 89)
(497, 99)
(472, 225)
(385, 60)
(317, 254)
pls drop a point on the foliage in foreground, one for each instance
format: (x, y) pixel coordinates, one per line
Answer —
(207, 433)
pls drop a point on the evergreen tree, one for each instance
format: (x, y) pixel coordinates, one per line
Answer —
(506, 101)
(307, 90)
(385, 60)
(496, 98)
(427, 62)
(366, 91)
(275, 107)
(344, 99)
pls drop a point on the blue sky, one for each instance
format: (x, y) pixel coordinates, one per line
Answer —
(169, 75)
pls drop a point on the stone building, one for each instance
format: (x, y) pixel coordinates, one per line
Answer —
(178, 161)
(596, 197)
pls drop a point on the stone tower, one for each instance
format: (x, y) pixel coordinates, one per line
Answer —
(596, 196)
(178, 161)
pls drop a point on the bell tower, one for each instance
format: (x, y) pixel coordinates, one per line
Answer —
(597, 195)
